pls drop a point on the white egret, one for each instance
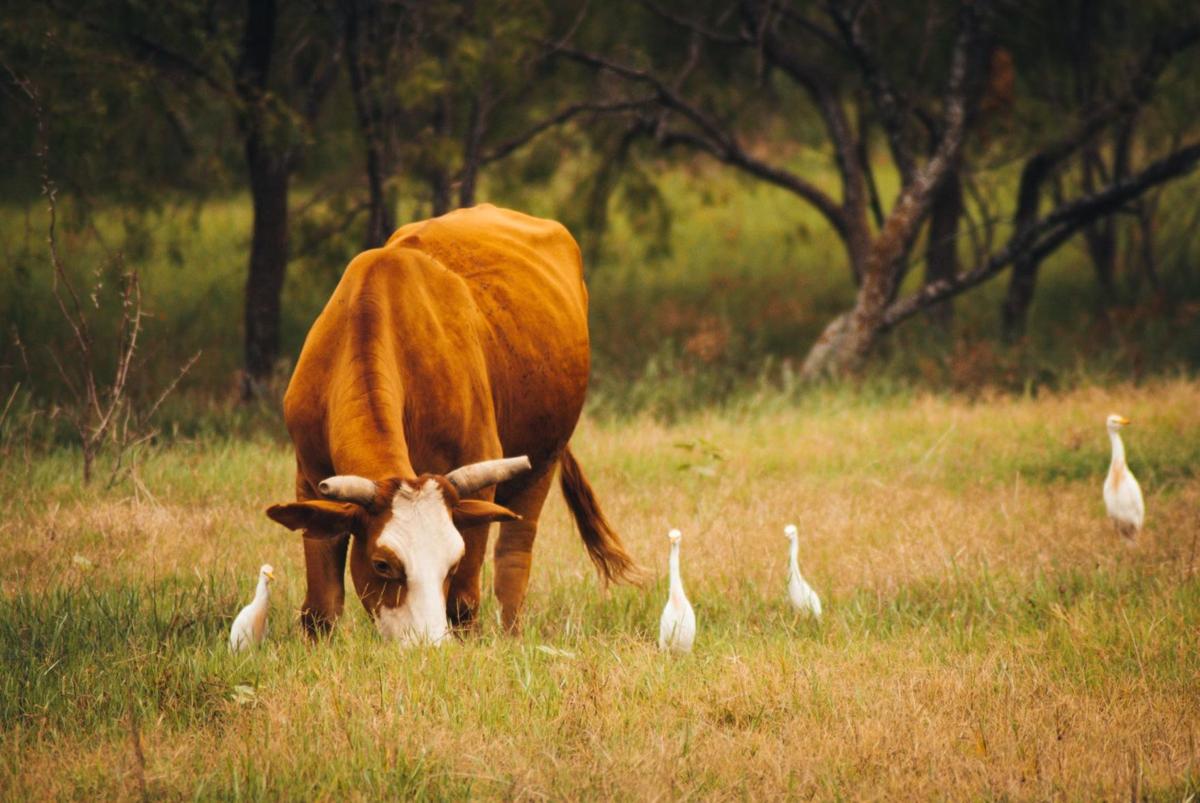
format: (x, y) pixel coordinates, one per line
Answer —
(677, 627)
(1122, 494)
(251, 624)
(801, 594)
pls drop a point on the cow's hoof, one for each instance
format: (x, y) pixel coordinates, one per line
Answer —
(462, 612)
(316, 624)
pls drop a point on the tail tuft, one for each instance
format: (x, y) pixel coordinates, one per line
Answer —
(603, 544)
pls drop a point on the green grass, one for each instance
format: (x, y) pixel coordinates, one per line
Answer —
(986, 634)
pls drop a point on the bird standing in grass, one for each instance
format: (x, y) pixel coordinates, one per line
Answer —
(801, 594)
(1122, 494)
(677, 627)
(251, 624)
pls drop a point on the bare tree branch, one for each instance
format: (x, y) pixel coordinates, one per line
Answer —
(560, 117)
(1049, 232)
(883, 93)
(713, 138)
(696, 27)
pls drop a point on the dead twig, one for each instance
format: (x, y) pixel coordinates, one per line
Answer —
(139, 756)
(100, 411)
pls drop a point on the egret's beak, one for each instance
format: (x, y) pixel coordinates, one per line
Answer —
(1123, 421)
(271, 576)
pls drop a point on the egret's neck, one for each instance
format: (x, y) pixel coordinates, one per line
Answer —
(1118, 448)
(676, 580)
(793, 555)
(261, 592)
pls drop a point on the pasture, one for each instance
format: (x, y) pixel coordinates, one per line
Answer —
(986, 633)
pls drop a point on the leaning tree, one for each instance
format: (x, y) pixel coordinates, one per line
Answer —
(936, 80)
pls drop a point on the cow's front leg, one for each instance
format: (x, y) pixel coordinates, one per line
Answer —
(325, 569)
(514, 548)
(462, 599)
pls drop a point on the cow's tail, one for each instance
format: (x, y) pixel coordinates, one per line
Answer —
(603, 544)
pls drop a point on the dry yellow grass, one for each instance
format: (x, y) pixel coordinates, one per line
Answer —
(986, 633)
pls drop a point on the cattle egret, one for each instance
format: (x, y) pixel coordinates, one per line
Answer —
(677, 627)
(801, 594)
(251, 624)
(1122, 494)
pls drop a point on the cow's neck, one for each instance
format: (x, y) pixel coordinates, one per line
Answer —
(367, 436)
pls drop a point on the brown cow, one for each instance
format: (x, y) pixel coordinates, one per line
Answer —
(462, 340)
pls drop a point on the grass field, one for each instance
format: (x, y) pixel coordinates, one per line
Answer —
(986, 634)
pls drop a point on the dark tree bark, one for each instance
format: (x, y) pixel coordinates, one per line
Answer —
(472, 150)
(1042, 236)
(439, 175)
(269, 166)
(941, 247)
(1146, 214)
(849, 338)
(270, 174)
(1023, 281)
(361, 48)
(1100, 236)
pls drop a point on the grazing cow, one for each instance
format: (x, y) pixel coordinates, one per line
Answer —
(463, 340)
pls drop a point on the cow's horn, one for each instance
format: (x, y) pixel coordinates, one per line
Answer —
(348, 488)
(471, 478)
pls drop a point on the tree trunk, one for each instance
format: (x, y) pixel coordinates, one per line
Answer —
(472, 142)
(381, 221)
(1100, 236)
(1146, 210)
(360, 50)
(1021, 284)
(439, 175)
(941, 247)
(849, 338)
(270, 171)
(269, 176)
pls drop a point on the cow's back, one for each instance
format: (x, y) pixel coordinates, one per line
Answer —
(526, 277)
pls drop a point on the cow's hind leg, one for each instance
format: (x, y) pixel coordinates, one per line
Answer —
(514, 547)
(325, 569)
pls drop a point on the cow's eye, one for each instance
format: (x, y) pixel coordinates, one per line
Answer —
(384, 568)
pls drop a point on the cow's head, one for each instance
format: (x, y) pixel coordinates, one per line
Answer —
(408, 531)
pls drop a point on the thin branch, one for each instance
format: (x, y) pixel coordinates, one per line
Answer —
(862, 152)
(696, 27)
(559, 118)
(883, 94)
(1049, 232)
(187, 366)
(569, 34)
(713, 139)
(150, 52)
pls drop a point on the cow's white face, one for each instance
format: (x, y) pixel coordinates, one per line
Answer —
(407, 541)
(418, 546)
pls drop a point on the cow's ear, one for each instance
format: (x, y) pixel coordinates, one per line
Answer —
(318, 517)
(470, 512)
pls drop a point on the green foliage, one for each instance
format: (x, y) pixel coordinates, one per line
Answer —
(724, 309)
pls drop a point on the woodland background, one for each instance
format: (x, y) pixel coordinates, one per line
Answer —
(931, 194)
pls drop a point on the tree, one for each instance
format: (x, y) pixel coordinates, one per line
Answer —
(836, 55)
(441, 92)
(269, 67)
